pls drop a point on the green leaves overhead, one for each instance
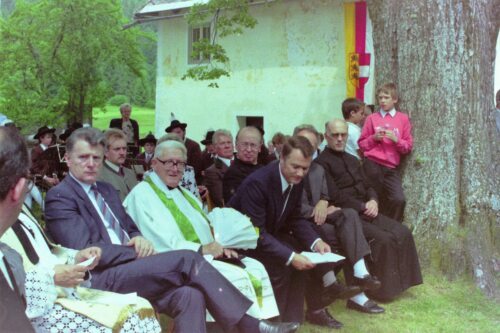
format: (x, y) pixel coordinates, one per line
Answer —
(55, 53)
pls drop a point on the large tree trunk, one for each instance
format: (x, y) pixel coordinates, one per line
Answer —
(441, 55)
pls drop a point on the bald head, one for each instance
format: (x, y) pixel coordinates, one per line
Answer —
(248, 143)
(336, 134)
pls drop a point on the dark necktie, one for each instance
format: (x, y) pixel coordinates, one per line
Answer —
(109, 217)
(12, 307)
(286, 194)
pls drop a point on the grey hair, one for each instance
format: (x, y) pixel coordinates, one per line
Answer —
(91, 135)
(309, 128)
(170, 144)
(169, 137)
(125, 106)
(219, 133)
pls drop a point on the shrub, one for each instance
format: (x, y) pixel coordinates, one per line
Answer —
(118, 100)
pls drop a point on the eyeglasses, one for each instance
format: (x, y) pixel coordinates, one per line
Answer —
(169, 164)
(248, 145)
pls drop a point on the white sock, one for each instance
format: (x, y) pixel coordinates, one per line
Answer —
(329, 279)
(360, 299)
(360, 269)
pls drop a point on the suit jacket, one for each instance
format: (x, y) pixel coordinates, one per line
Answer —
(206, 160)
(122, 184)
(213, 181)
(346, 185)
(117, 123)
(194, 157)
(235, 175)
(260, 197)
(73, 221)
(12, 316)
(315, 189)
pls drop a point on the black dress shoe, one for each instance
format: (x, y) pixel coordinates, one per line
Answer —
(339, 291)
(367, 282)
(369, 307)
(269, 327)
(323, 318)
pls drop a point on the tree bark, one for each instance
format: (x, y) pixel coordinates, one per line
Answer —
(441, 54)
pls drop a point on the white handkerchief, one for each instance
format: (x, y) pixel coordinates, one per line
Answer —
(318, 258)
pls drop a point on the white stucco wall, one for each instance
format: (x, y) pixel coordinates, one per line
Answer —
(289, 70)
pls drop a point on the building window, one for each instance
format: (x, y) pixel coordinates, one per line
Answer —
(196, 34)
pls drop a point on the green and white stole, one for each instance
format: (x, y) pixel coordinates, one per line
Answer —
(187, 228)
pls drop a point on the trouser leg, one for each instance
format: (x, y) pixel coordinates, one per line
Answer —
(187, 306)
(395, 200)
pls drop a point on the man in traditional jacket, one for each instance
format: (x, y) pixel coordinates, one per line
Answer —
(248, 146)
(146, 157)
(394, 256)
(214, 175)
(114, 171)
(173, 219)
(82, 212)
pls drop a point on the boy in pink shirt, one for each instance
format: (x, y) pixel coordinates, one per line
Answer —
(386, 135)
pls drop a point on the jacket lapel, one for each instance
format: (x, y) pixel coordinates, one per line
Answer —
(90, 209)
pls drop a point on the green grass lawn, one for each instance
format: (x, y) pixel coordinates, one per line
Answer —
(144, 116)
(435, 306)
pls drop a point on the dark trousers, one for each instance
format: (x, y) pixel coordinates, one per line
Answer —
(394, 258)
(292, 286)
(343, 231)
(387, 184)
(182, 285)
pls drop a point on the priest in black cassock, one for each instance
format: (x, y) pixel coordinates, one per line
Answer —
(394, 259)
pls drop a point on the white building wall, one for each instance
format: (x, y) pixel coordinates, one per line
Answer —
(289, 70)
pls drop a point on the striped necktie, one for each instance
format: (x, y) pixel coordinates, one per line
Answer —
(109, 217)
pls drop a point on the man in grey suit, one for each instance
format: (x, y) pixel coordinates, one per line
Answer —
(223, 142)
(14, 170)
(114, 172)
(82, 211)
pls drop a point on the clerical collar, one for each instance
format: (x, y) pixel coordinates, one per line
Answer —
(226, 161)
(284, 183)
(392, 113)
(112, 166)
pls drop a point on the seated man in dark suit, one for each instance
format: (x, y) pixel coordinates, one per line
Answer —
(81, 212)
(223, 143)
(271, 198)
(341, 227)
(129, 126)
(394, 258)
(248, 146)
(14, 170)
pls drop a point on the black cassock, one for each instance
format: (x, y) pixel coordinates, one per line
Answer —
(394, 258)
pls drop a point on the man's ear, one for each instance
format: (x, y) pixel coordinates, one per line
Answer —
(18, 191)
